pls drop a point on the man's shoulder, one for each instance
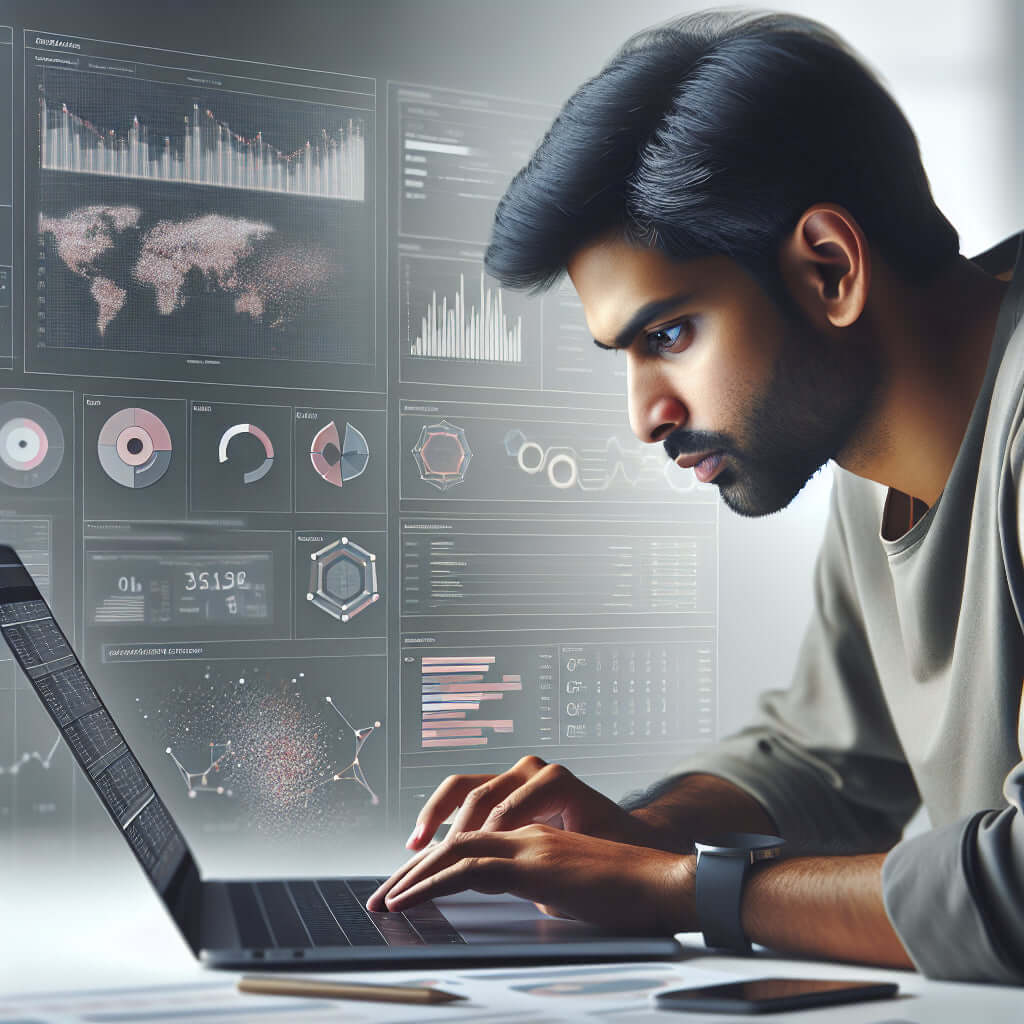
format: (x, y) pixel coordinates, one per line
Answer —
(999, 260)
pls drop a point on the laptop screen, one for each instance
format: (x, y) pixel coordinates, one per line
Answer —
(46, 657)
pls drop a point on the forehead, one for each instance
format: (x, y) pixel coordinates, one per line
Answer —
(613, 279)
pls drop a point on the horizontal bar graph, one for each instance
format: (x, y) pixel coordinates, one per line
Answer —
(454, 691)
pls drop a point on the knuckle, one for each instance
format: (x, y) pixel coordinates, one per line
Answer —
(450, 783)
(531, 763)
(556, 772)
(477, 795)
(458, 841)
(499, 812)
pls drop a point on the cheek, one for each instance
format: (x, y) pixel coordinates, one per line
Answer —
(733, 376)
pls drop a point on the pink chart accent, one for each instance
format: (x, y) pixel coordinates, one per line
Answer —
(134, 448)
(452, 690)
(253, 475)
(337, 461)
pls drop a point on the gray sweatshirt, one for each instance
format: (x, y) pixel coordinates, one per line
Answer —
(908, 688)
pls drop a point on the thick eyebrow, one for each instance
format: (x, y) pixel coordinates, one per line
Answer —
(644, 314)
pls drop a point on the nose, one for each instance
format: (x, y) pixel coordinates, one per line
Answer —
(654, 409)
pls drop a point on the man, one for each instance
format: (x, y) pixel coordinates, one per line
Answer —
(742, 210)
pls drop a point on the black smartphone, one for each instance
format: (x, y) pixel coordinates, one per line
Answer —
(769, 995)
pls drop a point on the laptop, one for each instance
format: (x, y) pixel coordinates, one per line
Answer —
(272, 923)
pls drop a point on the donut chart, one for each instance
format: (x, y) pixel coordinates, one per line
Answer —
(252, 475)
(134, 448)
(31, 444)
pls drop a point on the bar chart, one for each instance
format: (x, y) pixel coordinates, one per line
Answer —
(465, 332)
(330, 165)
(457, 693)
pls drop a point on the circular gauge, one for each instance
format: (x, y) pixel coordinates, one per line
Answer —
(31, 444)
(134, 448)
(253, 475)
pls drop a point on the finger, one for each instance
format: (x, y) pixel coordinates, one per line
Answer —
(541, 798)
(481, 874)
(550, 911)
(467, 846)
(478, 801)
(376, 901)
(440, 804)
(481, 801)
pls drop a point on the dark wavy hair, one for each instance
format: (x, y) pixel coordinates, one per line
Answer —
(711, 134)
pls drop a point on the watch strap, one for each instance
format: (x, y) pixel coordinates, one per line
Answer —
(719, 899)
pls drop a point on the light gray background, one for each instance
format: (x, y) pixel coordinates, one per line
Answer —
(952, 65)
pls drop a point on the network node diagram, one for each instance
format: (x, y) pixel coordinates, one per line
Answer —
(199, 782)
(353, 771)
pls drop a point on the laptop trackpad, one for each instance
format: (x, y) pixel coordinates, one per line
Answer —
(482, 918)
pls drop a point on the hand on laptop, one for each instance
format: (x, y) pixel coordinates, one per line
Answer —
(567, 874)
(530, 791)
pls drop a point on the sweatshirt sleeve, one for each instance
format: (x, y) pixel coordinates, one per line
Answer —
(822, 757)
(955, 895)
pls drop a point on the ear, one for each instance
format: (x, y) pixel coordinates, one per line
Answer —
(826, 265)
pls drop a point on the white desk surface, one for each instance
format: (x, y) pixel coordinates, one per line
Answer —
(72, 924)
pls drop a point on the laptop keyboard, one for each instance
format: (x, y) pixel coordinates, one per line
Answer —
(331, 912)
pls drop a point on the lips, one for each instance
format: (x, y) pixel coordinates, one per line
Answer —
(705, 466)
(689, 461)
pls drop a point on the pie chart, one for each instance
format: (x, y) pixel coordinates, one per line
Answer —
(134, 448)
(335, 461)
(31, 444)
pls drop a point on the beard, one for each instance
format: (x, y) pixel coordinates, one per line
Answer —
(816, 397)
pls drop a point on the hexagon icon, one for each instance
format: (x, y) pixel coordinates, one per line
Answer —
(343, 579)
(442, 454)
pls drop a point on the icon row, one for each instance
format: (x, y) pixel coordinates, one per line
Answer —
(135, 449)
(159, 458)
(176, 457)
(523, 459)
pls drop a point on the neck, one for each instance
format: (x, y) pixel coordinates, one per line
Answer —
(935, 344)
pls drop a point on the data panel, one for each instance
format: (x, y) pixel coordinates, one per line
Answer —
(324, 513)
(197, 218)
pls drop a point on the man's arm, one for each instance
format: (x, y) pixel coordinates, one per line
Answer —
(697, 806)
(823, 906)
(812, 906)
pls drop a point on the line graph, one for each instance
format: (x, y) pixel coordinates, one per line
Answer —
(29, 756)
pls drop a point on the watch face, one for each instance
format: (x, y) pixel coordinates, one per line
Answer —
(738, 843)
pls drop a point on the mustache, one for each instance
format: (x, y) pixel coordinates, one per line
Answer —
(693, 442)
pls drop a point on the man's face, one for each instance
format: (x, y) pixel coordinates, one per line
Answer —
(718, 370)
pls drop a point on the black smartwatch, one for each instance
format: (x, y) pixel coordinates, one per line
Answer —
(722, 866)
